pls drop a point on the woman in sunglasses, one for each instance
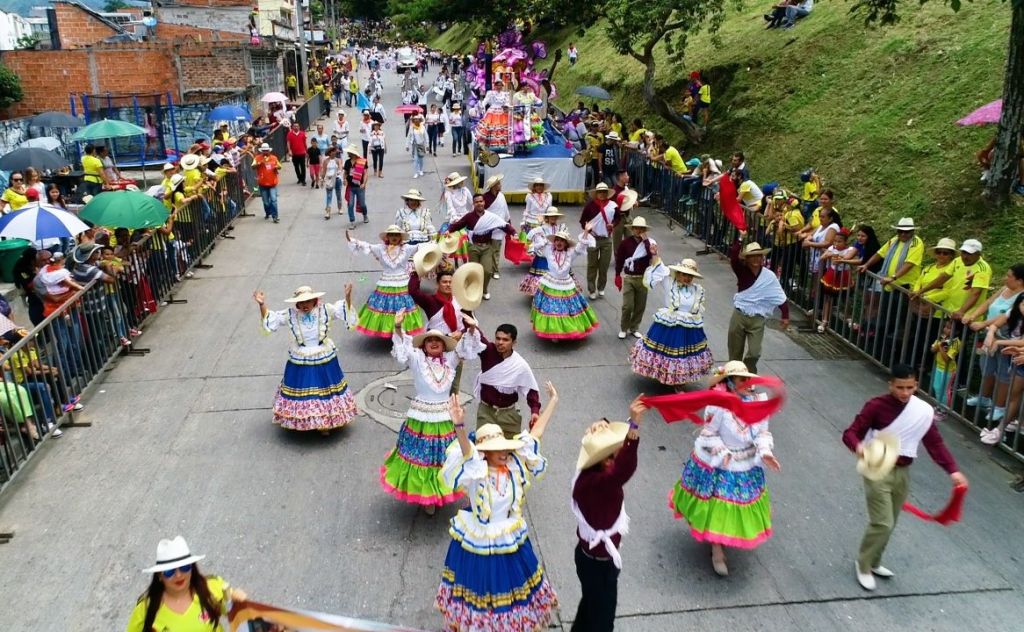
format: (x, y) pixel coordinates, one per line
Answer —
(14, 196)
(179, 597)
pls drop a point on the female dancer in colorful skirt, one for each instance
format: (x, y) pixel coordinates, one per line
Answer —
(722, 490)
(538, 201)
(313, 394)
(560, 311)
(492, 580)
(410, 472)
(675, 349)
(538, 240)
(377, 316)
(493, 130)
(457, 200)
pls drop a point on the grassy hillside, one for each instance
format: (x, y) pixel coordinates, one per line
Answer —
(872, 109)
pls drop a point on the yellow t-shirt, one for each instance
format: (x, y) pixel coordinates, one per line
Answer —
(637, 135)
(966, 278)
(22, 361)
(617, 128)
(192, 620)
(810, 191)
(15, 199)
(292, 81)
(914, 254)
(674, 161)
(220, 172)
(940, 295)
(705, 93)
(193, 178)
(792, 218)
(93, 168)
(952, 352)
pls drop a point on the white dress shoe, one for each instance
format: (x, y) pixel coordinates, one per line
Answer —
(882, 571)
(487, 296)
(593, 296)
(866, 580)
(622, 335)
(495, 276)
(601, 293)
(637, 334)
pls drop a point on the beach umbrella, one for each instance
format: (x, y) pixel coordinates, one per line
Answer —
(38, 158)
(273, 97)
(229, 113)
(409, 108)
(36, 222)
(107, 128)
(594, 92)
(125, 209)
(55, 119)
(985, 115)
(48, 143)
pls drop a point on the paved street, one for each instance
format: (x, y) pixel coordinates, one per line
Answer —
(182, 443)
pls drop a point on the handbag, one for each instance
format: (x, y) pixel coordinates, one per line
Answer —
(420, 150)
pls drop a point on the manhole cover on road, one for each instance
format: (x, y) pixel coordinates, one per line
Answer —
(386, 400)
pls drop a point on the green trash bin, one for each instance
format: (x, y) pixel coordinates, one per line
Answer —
(10, 252)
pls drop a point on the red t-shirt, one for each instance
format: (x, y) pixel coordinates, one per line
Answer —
(266, 170)
(297, 143)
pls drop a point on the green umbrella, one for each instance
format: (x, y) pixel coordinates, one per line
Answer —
(107, 129)
(125, 209)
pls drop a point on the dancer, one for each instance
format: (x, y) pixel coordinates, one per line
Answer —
(481, 225)
(910, 420)
(377, 316)
(494, 202)
(758, 294)
(410, 471)
(313, 394)
(538, 201)
(675, 350)
(538, 240)
(504, 376)
(492, 579)
(599, 256)
(457, 201)
(607, 460)
(414, 219)
(560, 311)
(632, 258)
(442, 308)
(722, 490)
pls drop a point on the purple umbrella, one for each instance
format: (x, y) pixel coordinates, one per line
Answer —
(985, 115)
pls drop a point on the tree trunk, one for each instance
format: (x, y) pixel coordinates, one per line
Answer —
(1001, 179)
(662, 106)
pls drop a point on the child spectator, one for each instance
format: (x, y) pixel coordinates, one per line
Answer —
(946, 350)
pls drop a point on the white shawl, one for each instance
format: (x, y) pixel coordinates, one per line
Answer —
(639, 253)
(604, 536)
(500, 208)
(910, 425)
(511, 375)
(761, 298)
(487, 223)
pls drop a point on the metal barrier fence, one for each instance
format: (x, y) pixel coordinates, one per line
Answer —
(886, 325)
(49, 367)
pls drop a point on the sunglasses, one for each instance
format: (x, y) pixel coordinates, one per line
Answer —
(169, 573)
(16, 179)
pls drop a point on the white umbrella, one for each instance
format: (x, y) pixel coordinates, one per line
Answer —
(48, 143)
(36, 222)
(273, 97)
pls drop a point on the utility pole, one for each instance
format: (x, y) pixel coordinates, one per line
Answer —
(300, 32)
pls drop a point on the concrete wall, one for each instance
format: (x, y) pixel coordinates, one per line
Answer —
(233, 20)
(12, 26)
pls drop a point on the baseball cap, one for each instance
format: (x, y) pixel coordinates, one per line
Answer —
(971, 246)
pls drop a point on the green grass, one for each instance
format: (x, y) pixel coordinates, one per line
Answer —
(873, 109)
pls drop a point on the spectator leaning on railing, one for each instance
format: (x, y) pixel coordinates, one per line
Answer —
(901, 259)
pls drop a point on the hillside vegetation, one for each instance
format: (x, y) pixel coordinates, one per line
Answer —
(873, 109)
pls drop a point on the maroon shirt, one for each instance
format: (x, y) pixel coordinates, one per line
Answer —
(745, 276)
(592, 210)
(469, 220)
(430, 303)
(489, 198)
(878, 413)
(626, 250)
(490, 395)
(599, 494)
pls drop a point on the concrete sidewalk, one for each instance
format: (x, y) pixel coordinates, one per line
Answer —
(181, 443)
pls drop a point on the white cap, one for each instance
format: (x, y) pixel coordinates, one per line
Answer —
(971, 246)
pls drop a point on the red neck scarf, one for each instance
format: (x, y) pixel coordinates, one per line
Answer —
(448, 311)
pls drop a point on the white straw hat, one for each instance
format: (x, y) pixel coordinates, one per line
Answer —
(732, 368)
(601, 441)
(493, 180)
(413, 194)
(490, 437)
(419, 339)
(172, 554)
(303, 293)
(564, 235)
(394, 229)
(426, 258)
(753, 248)
(905, 224)
(687, 266)
(454, 178)
(878, 456)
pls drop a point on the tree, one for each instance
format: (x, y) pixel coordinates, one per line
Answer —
(667, 22)
(29, 41)
(10, 88)
(316, 12)
(1011, 122)
(113, 6)
(366, 9)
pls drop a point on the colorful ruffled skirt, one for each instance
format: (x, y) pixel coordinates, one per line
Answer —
(500, 592)
(314, 395)
(493, 130)
(672, 354)
(561, 314)
(410, 471)
(377, 316)
(461, 254)
(723, 507)
(836, 281)
(532, 279)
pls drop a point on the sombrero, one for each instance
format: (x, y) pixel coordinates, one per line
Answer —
(600, 442)
(394, 229)
(190, 161)
(426, 258)
(599, 188)
(490, 437)
(468, 285)
(553, 212)
(413, 194)
(303, 293)
(563, 234)
(449, 243)
(878, 456)
(627, 199)
(493, 180)
(638, 222)
(352, 149)
(687, 266)
(541, 181)
(454, 178)
(753, 248)
(419, 339)
(732, 368)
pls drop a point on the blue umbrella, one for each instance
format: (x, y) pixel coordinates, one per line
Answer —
(229, 113)
(35, 222)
